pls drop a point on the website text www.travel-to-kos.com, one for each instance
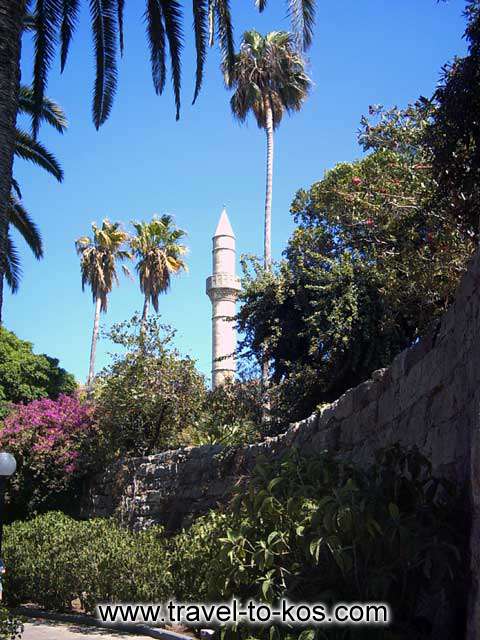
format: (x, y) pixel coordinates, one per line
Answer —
(235, 612)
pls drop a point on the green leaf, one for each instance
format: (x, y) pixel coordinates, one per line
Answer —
(273, 483)
(394, 511)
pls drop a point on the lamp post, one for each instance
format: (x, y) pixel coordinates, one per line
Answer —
(8, 464)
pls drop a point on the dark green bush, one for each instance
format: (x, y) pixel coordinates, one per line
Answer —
(54, 559)
(318, 530)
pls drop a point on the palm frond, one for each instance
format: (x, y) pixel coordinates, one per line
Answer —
(70, 10)
(156, 41)
(27, 148)
(16, 188)
(260, 4)
(13, 271)
(120, 11)
(28, 22)
(19, 218)
(126, 272)
(172, 15)
(225, 34)
(50, 111)
(211, 22)
(200, 25)
(302, 13)
(104, 36)
(47, 17)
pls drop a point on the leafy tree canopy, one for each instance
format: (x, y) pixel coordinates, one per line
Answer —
(454, 133)
(27, 376)
(369, 266)
(149, 392)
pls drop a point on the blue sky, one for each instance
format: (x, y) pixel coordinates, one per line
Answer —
(143, 162)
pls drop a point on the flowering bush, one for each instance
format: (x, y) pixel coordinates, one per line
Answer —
(53, 442)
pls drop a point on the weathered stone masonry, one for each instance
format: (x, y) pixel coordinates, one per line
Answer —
(428, 397)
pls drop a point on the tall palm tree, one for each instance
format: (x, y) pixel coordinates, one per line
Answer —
(159, 255)
(98, 265)
(53, 21)
(27, 148)
(269, 79)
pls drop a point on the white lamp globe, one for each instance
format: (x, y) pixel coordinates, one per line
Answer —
(8, 464)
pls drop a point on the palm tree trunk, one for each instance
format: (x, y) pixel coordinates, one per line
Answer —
(267, 241)
(146, 306)
(93, 349)
(143, 324)
(11, 16)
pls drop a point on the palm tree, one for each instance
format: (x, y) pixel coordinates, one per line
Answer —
(53, 21)
(269, 79)
(27, 148)
(159, 255)
(98, 265)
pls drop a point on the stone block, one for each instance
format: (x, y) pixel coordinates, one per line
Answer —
(343, 407)
(387, 406)
(397, 368)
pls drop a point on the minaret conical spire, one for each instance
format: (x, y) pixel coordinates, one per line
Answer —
(224, 228)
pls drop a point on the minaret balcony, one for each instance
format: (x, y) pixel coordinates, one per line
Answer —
(223, 285)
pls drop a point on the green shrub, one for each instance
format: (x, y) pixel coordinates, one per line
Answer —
(149, 393)
(231, 415)
(192, 554)
(318, 530)
(150, 398)
(54, 559)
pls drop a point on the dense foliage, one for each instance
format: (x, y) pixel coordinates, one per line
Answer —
(58, 559)
(368, 268)
(55, 442)
(317, 530)
(149, 393)
(27, 376)
(306, 529)
(455, 131)
(231, 415)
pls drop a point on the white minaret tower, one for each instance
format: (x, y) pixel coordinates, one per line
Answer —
(222, 289)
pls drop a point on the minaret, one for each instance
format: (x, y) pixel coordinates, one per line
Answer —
(222, 289)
